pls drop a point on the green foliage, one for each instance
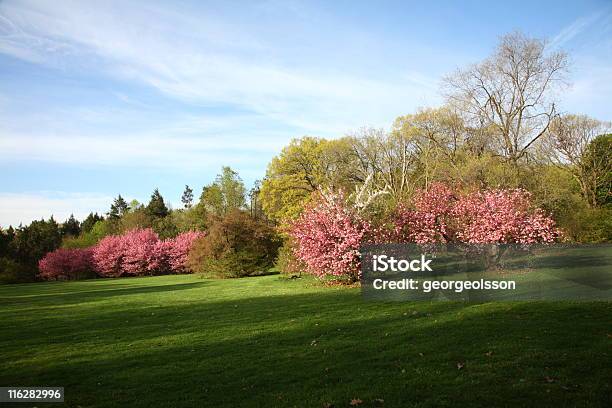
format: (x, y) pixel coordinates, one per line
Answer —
(286, 262)
(156, 207)
(89, 238)
(191, 219)
(301, 168)
(211, 199)
(136, 218)
(25, 246)
(225, 194)
(236, 245)
(31, 243)
(12, 271)
(597, 162)
(593, 225)
(165, 227)
(70, 227)
(119, 207)
(90, 221)
(187, 198)
(6, 237)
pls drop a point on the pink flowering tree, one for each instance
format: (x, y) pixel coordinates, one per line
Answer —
(429, 221)
(502, 216)
(64, 264)
(441, 215)
(143, 253)
(328, 236)
(177, 250)
(108, 256)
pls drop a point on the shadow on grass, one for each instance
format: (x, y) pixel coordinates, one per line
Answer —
(324, 347)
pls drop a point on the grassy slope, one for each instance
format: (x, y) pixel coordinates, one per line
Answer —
(183, 341)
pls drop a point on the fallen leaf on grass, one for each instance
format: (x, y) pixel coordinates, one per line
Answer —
(356, 401)
(460, 365)
(549, 379)
(489, 353)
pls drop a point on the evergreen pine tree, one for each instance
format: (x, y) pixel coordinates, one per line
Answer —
(90, 221)
(71, 227)
(156, 207)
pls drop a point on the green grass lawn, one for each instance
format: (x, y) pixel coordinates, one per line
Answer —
(181, 341)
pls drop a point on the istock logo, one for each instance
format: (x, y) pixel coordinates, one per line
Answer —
(383, 263)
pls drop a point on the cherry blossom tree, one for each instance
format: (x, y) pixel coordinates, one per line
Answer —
(143, 253)
(329, 232)
(108, 256)
(502, 216)
(328, 236)
(65, 263)
(442, 215)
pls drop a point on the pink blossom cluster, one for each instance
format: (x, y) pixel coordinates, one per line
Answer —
(502, 216)
(328, 236)
(177, 250)
(65, 263)
(141, 252)
(136, 252)
(329, 233)
(480, 217)
(430, 221)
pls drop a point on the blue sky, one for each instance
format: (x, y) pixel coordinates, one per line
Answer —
(122, 97)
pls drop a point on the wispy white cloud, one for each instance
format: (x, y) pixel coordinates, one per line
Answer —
(589, 42)
(573, 30)
(26, 207)
(200, 59)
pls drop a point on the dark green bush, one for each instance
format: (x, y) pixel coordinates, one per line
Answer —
(286, 262)
(12, 271)
(235, 245)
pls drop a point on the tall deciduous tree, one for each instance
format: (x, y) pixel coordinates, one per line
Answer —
(570, 144)
(512, 91)
(225, 194)
(597, 162)
(303, 167)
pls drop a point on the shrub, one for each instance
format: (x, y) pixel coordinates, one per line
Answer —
(286, 261)
(594, 225)
(236, 245)
(66, 264)
(328, 236)
(12, 271)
